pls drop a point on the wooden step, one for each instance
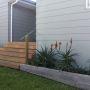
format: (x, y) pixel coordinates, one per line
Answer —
(21, 44)
(16, 50)
(20, 47)
(2, 49)
(13, 59)
(15, 54)
(9, 64)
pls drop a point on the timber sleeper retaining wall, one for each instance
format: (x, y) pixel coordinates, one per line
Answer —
(73, 79)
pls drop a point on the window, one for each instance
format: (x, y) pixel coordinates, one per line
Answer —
(87, 3)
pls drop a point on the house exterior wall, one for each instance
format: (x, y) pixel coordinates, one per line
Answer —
(61, 20)
(24, 21)
(3, 22)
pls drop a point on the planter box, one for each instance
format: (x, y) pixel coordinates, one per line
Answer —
(73, 79)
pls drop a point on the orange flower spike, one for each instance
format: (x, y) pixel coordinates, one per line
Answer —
(51, 47)
(71, 41)
(60, 45)
(56, 45)
(67, 47)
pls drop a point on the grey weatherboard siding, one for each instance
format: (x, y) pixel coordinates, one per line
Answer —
(3, 21)
(62, 20)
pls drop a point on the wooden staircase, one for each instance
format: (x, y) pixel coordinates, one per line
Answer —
(14, 54)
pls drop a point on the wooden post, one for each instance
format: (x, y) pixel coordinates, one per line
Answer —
(26, 48)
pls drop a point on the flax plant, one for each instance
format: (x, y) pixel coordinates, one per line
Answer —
(66, 59)
(46, 57)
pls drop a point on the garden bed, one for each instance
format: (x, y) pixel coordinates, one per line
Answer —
(73, 79)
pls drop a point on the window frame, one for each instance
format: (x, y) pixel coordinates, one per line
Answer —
(87, 3)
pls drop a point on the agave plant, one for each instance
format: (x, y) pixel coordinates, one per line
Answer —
(46, 57)
(66, 59)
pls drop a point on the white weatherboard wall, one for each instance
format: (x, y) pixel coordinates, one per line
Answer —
(3, 21)
(62, 20)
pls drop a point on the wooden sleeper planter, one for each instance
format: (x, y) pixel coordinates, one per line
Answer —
(73, 79)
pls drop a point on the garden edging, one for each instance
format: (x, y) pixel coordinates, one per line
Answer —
(73, 79)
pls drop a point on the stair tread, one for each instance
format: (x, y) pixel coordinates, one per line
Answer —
(12, 59)
(9, 64)
(20, 47)
(16, 50)
(2, 49)
(21, 43)
(16, 55)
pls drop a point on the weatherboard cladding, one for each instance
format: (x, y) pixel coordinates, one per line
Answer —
(3, 21)
(64, 19)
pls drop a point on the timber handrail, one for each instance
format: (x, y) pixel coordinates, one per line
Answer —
(30, 33)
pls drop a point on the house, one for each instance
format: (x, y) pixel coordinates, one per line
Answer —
(60, 20)
(17, 18)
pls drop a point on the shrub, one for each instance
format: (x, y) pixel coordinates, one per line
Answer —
(46, 57)
(82, 70)
(55, 58)
(66, 59)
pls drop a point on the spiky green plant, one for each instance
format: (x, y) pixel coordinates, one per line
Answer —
(46, 57)
(66, 59)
